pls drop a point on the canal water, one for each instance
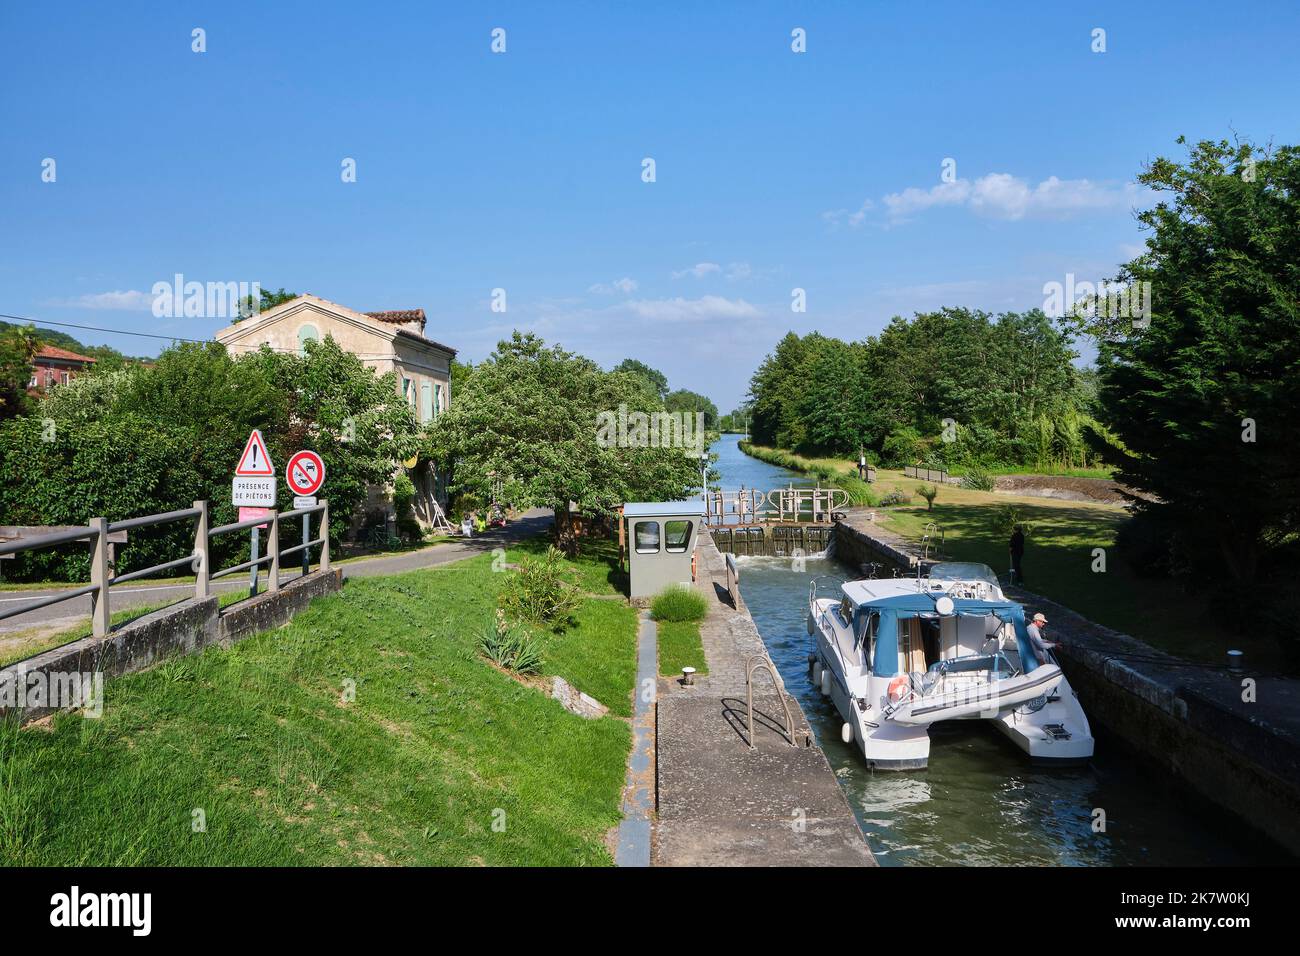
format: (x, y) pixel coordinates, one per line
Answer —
(979, 802)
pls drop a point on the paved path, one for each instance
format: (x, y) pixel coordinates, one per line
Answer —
(634, 833)
(722, 803)
(145, 594)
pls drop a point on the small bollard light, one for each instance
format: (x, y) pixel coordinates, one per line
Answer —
(688, 676)
(1236, 661)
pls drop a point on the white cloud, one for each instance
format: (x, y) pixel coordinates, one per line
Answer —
(1003, 196)
(690, 310)
(699, 270)
(739, 270)
(129, 300)
(838, 217)
(625, 285)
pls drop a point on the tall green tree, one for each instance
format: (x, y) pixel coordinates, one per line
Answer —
(1205, 392)
(530, 416)
(655, 380)
(18, 344)
(692, 403)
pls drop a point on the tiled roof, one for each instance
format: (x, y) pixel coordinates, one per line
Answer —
(54, 352)
(400, 316)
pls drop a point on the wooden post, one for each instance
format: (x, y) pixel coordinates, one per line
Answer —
(99, 614)
(202, 566)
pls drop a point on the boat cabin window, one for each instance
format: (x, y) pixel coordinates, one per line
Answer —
(677, 534)
(646, 535)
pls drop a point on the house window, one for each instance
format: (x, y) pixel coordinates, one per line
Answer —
(407, 388)
(305, 334)
(437, 399)
(677, 535)
(65, 378)
(426, 402)
(646, 535)
(36, 378)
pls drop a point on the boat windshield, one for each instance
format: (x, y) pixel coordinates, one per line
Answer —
(963, 571)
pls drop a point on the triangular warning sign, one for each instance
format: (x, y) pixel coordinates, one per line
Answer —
(255, 460)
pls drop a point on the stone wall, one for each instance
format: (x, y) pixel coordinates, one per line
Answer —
(182, 628)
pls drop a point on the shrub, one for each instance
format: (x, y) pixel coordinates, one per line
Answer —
(677, 603)
(929, 493)
(538, 592)
(896, 497)
(404, 507)
(510, 646)
(902, 447)
(977, 479)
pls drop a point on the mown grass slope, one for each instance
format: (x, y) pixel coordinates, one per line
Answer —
(438, 759)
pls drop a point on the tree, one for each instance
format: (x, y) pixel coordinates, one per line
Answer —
(529, 416)
(691, 403)
(654, 379)
(18, 345)
(142, 440)
(266, 300)
(1205, 392)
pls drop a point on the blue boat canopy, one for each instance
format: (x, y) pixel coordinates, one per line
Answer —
(900, 607)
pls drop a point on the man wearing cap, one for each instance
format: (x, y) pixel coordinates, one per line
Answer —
(1041, 645)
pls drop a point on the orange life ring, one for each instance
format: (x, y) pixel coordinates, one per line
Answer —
(897, 688)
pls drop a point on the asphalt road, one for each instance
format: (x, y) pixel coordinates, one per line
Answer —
(130, 595)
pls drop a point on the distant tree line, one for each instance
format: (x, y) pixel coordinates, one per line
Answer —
(946, 388)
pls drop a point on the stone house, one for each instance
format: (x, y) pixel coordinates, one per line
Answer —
(391, 341)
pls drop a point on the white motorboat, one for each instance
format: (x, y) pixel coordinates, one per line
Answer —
(898, 654)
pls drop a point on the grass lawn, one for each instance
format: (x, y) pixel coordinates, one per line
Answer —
(436, 748)
(679, 646)
(1058, 564)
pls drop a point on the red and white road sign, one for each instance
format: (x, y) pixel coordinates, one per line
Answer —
(306, 473)
(256, 460)
(248, 514)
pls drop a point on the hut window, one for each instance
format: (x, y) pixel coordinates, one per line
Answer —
(647, 537)
(677, 535)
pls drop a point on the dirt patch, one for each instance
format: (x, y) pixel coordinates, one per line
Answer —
(1100, 490)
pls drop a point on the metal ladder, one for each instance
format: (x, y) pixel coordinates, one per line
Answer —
(764, 662)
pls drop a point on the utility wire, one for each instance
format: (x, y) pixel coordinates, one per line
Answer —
(168, 338)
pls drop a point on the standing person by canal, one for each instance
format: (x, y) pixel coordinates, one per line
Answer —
(1017, 547)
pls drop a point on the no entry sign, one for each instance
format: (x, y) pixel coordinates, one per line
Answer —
(306, 473)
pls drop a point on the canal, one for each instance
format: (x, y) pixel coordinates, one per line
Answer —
(979, 802)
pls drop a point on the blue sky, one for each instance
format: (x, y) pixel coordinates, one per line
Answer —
(523, 170)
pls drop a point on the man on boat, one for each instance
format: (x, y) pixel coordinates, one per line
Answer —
(1041, 645)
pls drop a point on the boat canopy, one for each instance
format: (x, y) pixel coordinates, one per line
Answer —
(900, 607)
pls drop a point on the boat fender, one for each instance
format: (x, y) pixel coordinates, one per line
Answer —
(826, 682)
(846, 733)
(897, 687)
(812, 627)
(817, 673)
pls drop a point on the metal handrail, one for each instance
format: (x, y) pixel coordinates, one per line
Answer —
(145, 572)
(47, 601)
(149, 520)
(751, 665)
(48, 540)
(239, 525)
(97, 532)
